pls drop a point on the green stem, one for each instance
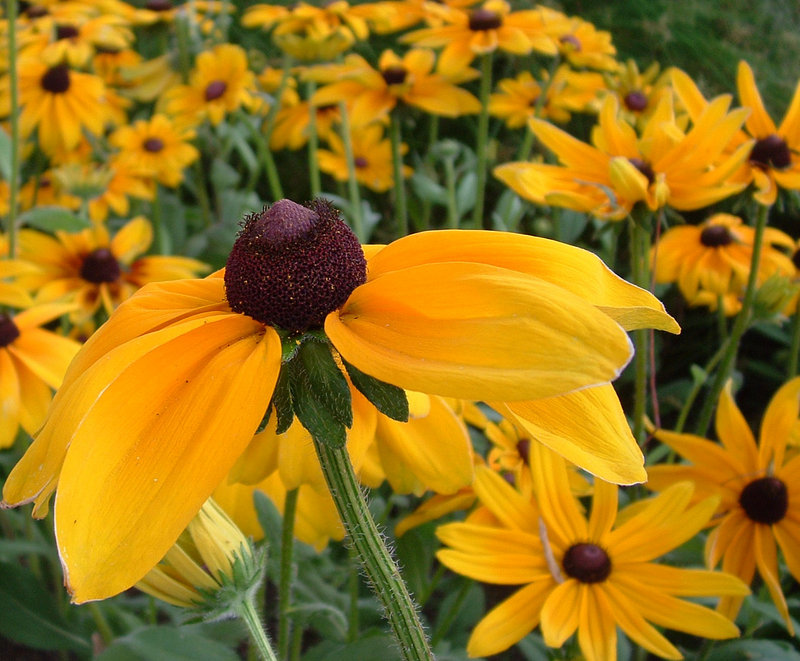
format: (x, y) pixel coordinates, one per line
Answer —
(285, 585)
(314, 176)
(247, 613)
(103, 628)
(794, 347)
(696, 388)
(201, 192)
(740, 325)
(352, 182)
(380, 568)
(640, 252)
(455, 608)
(13, 181)
(450, 184)
(722, 321)
(400, 203)
(158, 225)
(353, 583)
(482, 141)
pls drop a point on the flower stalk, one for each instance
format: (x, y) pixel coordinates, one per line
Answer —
(482, 141)
(13, 174)
(285, 587)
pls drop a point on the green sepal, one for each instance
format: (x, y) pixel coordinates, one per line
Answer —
(282, 402)
(290, 345)
(327, 382)
(312, 413)
(388, 399)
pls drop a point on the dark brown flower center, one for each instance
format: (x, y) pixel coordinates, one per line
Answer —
(8, 330)
(715, 236)
(571, 40)
(771, 151)
(292, 265)
(644, 168)
(153, 145)
(158, 5)
(587, 563)
(796, 259)
(33, 11)
(215, 89)
(484, 19)
(100, 266)
(765, 500)
(360, 162)
(66, 32)
(524, 449)
(56, 79)
(395, 75)
(635, 101)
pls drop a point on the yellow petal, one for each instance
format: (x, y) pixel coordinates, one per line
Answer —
(589, 428)
(734, 432)
(506, 503)
(759, 122)
(627, 180)
(597, 630)
(133, 239)
(9, 400)
(153, 446)
(473, 331)
(780, 417)
(561, 612)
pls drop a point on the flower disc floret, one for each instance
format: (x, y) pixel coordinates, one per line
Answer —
(215, 90)
(771, 151)
(56, 79)
(292, 265)
(100, 266)
(587, 563)
(635, 101)
(765, 500)
(714, 236)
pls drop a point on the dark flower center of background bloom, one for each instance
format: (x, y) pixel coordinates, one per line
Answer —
(715, 236)
(292, 265)
(635, 101)
(394, 75)
(100, 266)
(644, 168)
(572, 40)
(66, 32)
(796, 259)
(587, 563)
(33, 11)
(771, 151)
(484, 19)
(360, 162)
(524, 449)
(215, 89)
(56, 79)
(153, 145)
(106, 50)
(765, 500)
(8, 330)
(158, 5)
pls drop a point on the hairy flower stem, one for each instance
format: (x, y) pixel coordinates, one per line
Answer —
(246, 611)
(740, 325)
(13, 174)
(379, 566)
(285, 586)
(482, 141)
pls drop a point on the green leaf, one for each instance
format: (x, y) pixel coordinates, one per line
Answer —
(312, 413)
(388, 399)
(379, 646)
(329, 386)
(175, 644)
(51, 218)
(282, 402)
(30, 615)
(767, 650)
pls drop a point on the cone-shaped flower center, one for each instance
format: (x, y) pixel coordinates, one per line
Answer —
(394, 75)
(715, 236)
(158, 5)
(572, 40)
(215, 89)
(153, 145)
(765, 500)
(644, 168)
(66, 32)
(771, 151)
(484, 19)
(292, 265)
(100, 266)
(635, 101)
(587, 563)
(56, 79)
(8, 330)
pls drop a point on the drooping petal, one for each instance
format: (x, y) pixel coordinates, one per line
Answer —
(734, 432)
(589, 428)
(767, 562)
(153, 446)
(759, 123)
(474, 331)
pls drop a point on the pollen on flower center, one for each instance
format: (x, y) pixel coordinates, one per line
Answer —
(153, 145)
(56, 79)
(292, 265)
(394, 75)
(484, 19)
(635, 101)
(771, 151)
(8, 330)
(100, 266)
(644, 168)
(715, 236)
(765, 500)
(587, 563)
(215, 89)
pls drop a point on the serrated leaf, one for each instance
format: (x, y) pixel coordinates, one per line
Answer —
(313, 414)
(51, 219)
(326, 380)
(171, 643)
(387, 398)
(30, 615)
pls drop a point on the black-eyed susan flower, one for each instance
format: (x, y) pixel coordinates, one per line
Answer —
(74, 42)
(158, 147)
(32, 361)
(663, 166)
(219, 83)
(94, 269)
(583, 45)
(716, 256)
(166, 395)
(585, 576)
(758, 485)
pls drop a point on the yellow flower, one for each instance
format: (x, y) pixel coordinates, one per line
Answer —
(373, 93)
(583, 45)
(665, 166)
(75, 42)
(156, 146)
(166, 395)
(293, 121)
(639, 93)
(219, 83)
(372, 155)
(715, 256)
(758, 486)
(32, 361)
(95, 270)
(586, 576)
